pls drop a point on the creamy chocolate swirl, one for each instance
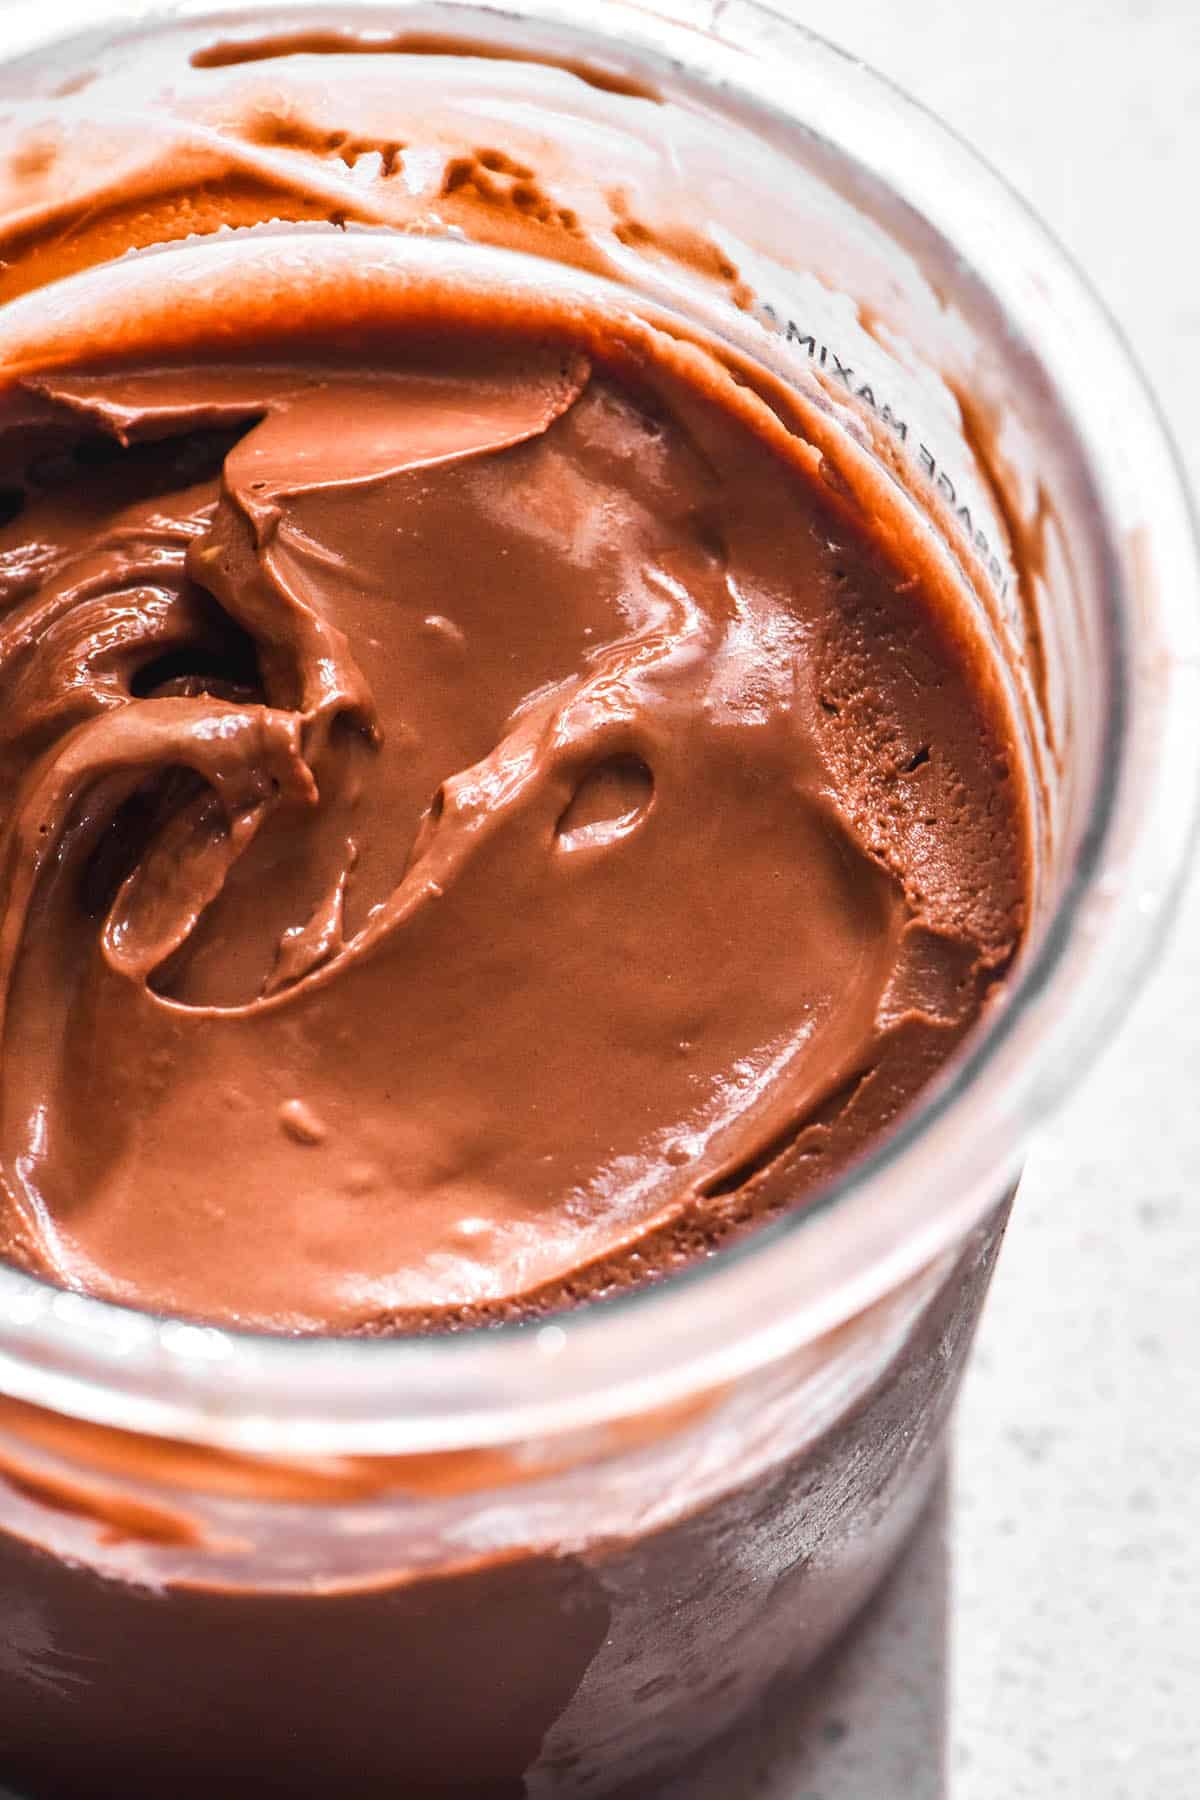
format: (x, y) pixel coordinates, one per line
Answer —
(479, 829)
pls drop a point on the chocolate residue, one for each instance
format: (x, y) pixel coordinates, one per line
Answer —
(97, 231)
(117, 1516)
(280, 130)
(229, 52)
(682, 244)
(493, 177)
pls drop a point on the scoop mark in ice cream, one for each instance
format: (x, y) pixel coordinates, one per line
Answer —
(482, 829)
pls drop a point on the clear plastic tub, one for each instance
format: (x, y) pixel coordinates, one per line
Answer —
(556, 1560)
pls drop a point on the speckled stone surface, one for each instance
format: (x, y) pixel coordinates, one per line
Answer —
(1041, 1638)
